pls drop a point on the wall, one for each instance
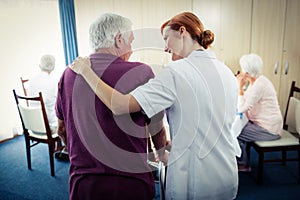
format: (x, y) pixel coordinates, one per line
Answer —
(29, 29)
(147, 17)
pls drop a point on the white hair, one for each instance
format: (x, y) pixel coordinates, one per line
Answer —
(47, 63)
(104, 30)
(252, 64)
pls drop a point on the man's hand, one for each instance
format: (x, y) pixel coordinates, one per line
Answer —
(61, 131)
(163, 157)
(81, 65)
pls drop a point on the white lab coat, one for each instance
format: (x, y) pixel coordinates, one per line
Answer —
(200, 96)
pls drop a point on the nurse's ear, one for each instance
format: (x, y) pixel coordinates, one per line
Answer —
(182, 31)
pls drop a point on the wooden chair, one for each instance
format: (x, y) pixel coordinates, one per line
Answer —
(24, 85)
(289, 140)
(36, 127)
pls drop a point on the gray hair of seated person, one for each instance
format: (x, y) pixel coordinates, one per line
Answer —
(47, 63)
(252, 64)
(104, 30)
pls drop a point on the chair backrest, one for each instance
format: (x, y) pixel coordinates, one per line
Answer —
(292, 114)
(24, 85)
(33, 118)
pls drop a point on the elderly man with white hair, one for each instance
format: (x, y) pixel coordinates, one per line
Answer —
(108, 153)
(259, 103)
(43, 82)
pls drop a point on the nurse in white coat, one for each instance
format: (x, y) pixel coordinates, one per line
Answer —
(199, 94)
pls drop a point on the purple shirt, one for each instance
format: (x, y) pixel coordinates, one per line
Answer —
(99, 142)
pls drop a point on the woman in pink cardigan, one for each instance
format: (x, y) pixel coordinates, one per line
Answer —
(259, 103)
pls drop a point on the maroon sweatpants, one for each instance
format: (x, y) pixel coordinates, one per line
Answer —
(95, 187)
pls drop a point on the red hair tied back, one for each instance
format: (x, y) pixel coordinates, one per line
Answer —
(206, 39)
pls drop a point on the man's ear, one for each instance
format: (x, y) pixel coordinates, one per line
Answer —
(118, 40)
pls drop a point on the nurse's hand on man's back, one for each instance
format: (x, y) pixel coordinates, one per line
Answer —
(81, 65)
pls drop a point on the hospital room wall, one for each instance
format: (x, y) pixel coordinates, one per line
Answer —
(31, 28)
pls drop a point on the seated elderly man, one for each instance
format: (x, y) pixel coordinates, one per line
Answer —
(43, 82)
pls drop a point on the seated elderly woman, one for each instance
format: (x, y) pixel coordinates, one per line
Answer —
(259, 103)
